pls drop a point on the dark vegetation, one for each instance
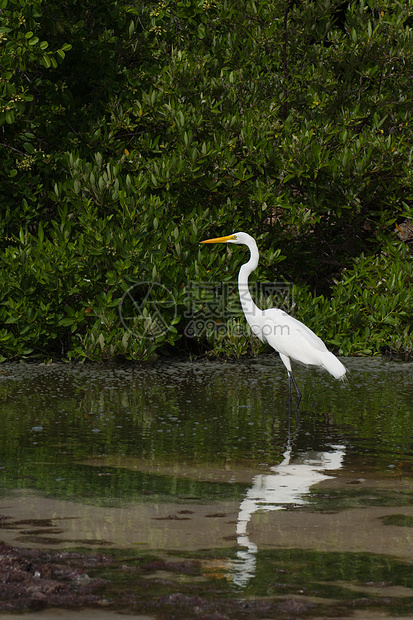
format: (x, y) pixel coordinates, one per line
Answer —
(130, 132)
(195, 587)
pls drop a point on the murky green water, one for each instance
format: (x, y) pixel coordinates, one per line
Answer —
(202, 460)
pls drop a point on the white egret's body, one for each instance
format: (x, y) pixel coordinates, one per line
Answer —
(288, 336)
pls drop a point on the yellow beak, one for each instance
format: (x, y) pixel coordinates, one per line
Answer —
(219, 239)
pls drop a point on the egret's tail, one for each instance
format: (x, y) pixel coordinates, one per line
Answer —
(344, 378)
(334, 366)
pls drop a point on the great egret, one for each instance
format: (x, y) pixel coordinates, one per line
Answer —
(288, 336)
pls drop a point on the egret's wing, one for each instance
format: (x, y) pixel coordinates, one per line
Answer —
(294, 341)
(307, 334)
(292, 329)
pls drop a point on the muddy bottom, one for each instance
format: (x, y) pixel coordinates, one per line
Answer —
(184, 561)
(43, 582)
(61, 614)
(81, 614)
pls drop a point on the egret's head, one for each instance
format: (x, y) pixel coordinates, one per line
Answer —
(239, 238)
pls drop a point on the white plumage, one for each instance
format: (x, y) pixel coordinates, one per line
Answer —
(288, 336)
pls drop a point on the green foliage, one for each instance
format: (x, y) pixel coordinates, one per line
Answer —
(61, 290)
(371, 307)
(130, 132)
(234, 341)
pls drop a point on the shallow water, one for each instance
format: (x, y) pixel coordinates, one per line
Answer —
(202, 460)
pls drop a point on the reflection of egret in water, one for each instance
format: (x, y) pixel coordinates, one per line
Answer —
(288, 483)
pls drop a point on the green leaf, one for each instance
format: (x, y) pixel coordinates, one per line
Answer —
(46, 61)
(66, 322)
(11, 319)
(28, 147)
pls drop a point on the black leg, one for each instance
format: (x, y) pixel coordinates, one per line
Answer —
(291, 378)
(297, 404)
(289, 388)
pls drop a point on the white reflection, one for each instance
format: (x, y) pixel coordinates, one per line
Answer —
(288, 484)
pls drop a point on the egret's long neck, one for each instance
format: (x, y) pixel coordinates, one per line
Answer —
(247, 303)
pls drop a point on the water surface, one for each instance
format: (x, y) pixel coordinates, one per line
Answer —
(202, 459)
